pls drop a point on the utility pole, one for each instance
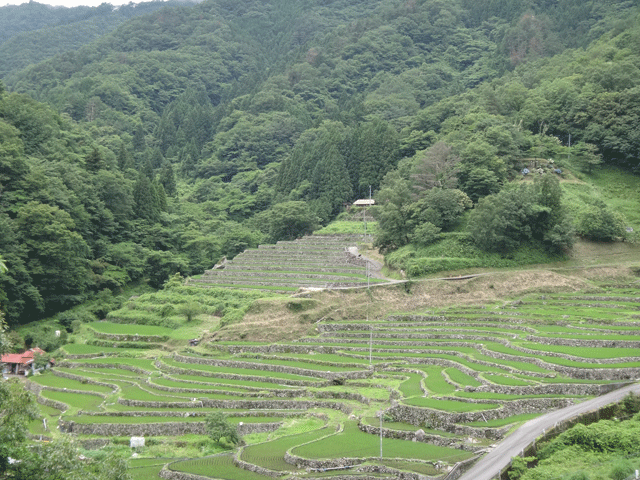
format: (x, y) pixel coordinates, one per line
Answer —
(370, 342)
(381, 434)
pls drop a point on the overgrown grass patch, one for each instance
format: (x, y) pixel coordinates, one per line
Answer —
(455, 251)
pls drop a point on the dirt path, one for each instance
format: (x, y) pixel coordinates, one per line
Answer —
(489, 466)
(375, 267)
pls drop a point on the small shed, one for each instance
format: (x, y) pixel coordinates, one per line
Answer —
(364, 202)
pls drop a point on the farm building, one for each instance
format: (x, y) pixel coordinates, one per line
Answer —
(19, 363)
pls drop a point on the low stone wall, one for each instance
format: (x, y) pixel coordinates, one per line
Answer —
(477, 432)
(156, 429)
(86, 380)
(164, 413)
(571, 342)
(273, 368)
(121, 337)
(460, 467)
(238, 462)
(186, 371)
(121, 366)
(241, 404)
(577, 389)
(420, 416)
(418, 436)
(94, 443)
(36, 389)
(171, 475)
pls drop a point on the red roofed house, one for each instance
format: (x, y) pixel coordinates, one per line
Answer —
(19, 363)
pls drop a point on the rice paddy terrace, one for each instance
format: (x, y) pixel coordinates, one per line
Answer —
(443, 385)
(317, 261)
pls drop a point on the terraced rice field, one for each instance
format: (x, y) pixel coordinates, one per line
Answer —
(446, 383)
(318, 261)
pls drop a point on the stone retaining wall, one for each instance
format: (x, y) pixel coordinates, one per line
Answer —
(171, 475)
(160, 413)
(36, 389)
(86, 380)
(418, 436)
(574, 342)
(577, 389)
(121, 366)
(156, 429)
(254, 468)
(121, 337)
(420, 416)
(273, 368)
(241, 404)
(233, 376)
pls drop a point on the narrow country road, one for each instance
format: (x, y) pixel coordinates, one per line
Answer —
(489, 466)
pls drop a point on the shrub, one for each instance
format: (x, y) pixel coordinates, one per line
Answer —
(599, 222)
(621, 470)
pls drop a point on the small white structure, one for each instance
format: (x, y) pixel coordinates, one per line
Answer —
(136, 442)
(364, 202)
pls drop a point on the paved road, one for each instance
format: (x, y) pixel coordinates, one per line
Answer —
(490, 465)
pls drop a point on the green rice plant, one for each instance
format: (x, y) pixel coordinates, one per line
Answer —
(435, 382)
(271, 454)
(585, 352)
(329, 358)
(520, 366)
(49, 380)
(461, 378)
(84, 349)
(507, 396)
(449, 405)
(99, 373)
(142, 363)
(128, 329)
(220, 465)
(411, 387)
(352, 443)
(299, 364)
(223, 382)
(505, 380)
(418, 467)
(150, 472)
(177, 384)
(76, 400)
(238, 371)
(405, 427)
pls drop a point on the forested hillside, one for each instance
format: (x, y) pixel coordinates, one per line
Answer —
(192, 132)
(32, 32)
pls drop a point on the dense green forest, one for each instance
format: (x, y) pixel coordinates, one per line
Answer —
(33, 32)
(194, 132)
